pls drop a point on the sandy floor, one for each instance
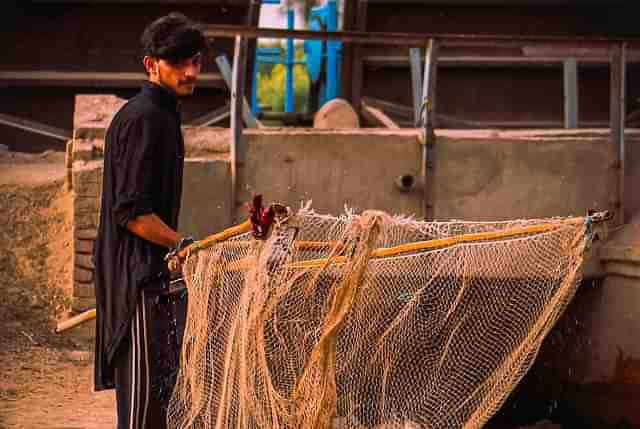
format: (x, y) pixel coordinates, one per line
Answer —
(45, 379)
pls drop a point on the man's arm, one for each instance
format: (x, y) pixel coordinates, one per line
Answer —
(153, 229)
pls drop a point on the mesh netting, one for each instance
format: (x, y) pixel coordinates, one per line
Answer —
(370, 321)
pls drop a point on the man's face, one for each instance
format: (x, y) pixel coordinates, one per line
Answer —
(179, 77)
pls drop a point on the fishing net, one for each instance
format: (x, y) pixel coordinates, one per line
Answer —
(369, 321)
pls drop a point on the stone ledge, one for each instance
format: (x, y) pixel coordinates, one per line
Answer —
(95, 110)
(199, 143)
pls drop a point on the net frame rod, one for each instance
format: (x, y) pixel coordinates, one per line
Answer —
(386, 251)
(216, 238)
(434, 244)
(440, 243)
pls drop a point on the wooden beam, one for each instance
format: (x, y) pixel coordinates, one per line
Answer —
(377, 116)
(452, 122)
(418, 39)
(617, 123)
(225, 69)
(551, 51)
(454, 60)
(428, 110)
(89, 79)
(237, 98)
(35, 127)
(570, 70)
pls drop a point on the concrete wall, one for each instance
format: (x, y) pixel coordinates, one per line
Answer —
(206, 197)
(507, 175)
(484, 175)
(356, 168)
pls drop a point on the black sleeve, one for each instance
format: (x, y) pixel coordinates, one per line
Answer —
(133, 162)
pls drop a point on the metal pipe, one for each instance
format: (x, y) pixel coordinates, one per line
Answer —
(237, 98)
(428, 110)
(416, 81)
(570, 71)
(289, 57)
(617, 123)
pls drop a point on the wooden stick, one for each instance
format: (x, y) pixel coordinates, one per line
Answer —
(75, 321)
(383, 252)
(451, 241)
(216, 238)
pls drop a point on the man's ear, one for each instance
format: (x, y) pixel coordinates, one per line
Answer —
(150, 64)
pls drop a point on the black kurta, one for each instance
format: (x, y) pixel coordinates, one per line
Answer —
(143, 165)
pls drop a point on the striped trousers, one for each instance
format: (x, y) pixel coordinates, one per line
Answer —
(147, 360)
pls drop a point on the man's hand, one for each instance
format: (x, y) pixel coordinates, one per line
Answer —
(173, 258)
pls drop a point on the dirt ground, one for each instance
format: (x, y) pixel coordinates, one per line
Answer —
(45, 379)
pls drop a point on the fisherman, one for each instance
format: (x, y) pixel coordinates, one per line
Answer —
(139, 319)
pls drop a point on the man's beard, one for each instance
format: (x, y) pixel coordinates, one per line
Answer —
(190, 92)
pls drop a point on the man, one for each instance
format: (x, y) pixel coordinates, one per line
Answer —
(138, 319)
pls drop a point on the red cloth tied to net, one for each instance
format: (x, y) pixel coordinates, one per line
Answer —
(261, 217)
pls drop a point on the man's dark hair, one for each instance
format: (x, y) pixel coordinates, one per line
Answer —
(173, 38)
